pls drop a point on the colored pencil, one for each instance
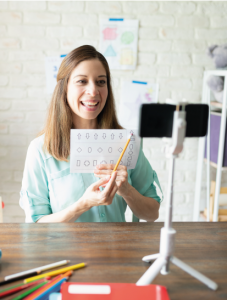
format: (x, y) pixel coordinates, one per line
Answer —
(39, 269)
(57, 272)
(122, 153)
(20, 284)
(48, 286)
(34, 273)
(32, 296)
(33, 289)
(55, 288)
(19, 288)
(11, 287)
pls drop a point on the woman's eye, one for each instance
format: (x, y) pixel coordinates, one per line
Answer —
(102, 81)
(81, 81)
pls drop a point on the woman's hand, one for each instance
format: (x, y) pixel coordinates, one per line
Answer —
(122, 176)
(94, 197)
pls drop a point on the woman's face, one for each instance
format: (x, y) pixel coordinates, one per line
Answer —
(87, 89)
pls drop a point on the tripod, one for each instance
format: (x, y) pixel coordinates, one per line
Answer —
(163, 259)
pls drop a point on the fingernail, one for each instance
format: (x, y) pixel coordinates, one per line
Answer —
(107, 177)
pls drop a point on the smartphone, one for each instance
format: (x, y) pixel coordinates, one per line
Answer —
(156, 120)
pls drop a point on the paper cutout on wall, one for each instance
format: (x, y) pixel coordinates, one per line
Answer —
(110, 51)
(109, 33)
(118, 42)
(88, 148)
(126, 56)
(127, 37)
(52, 64)
(133, 94)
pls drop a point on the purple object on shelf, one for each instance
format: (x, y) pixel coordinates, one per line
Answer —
(215, 122)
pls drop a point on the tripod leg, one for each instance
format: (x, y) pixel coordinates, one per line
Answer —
(165, 269)
(211, 284)
(152, 272)
(148, 258)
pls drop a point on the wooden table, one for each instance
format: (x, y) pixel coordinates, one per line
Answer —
(113, 252)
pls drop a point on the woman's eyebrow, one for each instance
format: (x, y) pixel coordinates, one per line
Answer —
(80, 75)
(86, 76)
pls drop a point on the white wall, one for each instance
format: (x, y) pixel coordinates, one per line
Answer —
(173, 38)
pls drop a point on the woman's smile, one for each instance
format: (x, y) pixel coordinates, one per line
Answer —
(90, 105)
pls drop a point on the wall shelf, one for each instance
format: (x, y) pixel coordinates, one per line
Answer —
(214, 165)
(216, 104)
(206, 98)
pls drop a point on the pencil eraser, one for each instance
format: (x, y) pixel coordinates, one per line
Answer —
(130, 135)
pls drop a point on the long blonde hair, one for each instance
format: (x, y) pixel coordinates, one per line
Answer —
(59, 118)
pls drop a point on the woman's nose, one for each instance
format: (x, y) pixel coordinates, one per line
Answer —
(92, 89)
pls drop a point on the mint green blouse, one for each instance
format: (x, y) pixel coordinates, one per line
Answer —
(49, 187)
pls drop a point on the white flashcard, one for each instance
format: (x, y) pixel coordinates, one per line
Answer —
(52, 64)
(118, 42)
(89, 148)
(133, 94)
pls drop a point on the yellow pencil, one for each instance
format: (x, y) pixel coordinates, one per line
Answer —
(122, 153)
(57, 272)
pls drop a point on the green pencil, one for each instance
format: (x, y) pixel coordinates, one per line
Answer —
(12, 287)
(17, 285)
(30, 291)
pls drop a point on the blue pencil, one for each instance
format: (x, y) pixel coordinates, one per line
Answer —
(54, 289)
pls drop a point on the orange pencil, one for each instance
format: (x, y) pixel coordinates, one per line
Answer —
(48, 285)
(122, 153)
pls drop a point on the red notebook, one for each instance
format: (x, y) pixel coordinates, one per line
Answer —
(112, 291)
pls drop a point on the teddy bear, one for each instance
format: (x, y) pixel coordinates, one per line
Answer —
(216, 83)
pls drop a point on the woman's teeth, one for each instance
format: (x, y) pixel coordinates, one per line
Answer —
(90, 103)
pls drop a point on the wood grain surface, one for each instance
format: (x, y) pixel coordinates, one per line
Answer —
(113, 253)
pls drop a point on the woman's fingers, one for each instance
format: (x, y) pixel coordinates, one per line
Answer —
(110, 167)
(105, 167)
(112, 179)
(95, 197)
(102, 172)
(101, 182)
(118, 178)
(110, 184)
(113, 192)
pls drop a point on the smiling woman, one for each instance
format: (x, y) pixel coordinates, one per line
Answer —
(87, 92)
(83, 75)
(83, 99)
